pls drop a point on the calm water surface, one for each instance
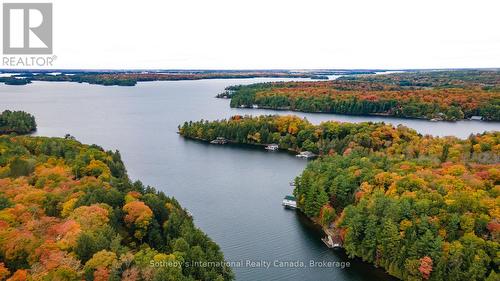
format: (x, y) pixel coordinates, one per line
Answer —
(234, 193)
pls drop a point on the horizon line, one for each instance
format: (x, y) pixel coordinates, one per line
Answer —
(242, 69)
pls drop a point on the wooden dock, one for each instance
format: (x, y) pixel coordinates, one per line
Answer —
(332, 239)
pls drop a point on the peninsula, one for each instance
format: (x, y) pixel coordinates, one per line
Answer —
(432, 95)
(408, 203)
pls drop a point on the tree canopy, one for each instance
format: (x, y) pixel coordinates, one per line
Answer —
(421, 207)
(68, 211)
(18, 122)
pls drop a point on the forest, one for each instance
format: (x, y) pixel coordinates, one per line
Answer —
(421, 207)
(18, 122)
(291, 133)
(69, 211)
(465, 78)
(437, 95)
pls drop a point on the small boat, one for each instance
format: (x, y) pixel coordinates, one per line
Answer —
(219, 140)
(289, 202)
(306, 155)
(272, 147)
(292, 183)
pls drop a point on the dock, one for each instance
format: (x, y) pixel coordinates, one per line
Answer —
(330, 244)
(332, 239)
(219, 140)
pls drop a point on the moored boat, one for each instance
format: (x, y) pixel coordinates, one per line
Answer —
(306, 155)
(289, 202)
(272, 147)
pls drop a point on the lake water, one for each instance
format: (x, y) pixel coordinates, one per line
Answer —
(234, 193)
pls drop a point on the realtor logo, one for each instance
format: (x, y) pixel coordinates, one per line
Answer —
(27, 28)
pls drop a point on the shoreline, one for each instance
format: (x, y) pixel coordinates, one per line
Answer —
(234, 143)
(361, 115)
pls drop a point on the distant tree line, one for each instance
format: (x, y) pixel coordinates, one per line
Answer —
(488, 80)
(131, 78)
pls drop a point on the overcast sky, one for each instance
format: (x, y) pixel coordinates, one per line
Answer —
(257, 34)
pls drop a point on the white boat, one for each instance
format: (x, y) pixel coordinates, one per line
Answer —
(289, 202)
(306, 154)
(272, 147)
(219, 140)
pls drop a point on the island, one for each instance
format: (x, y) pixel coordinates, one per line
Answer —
(431, 95)
(68, 211)
(421, 207)
(17, 122)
